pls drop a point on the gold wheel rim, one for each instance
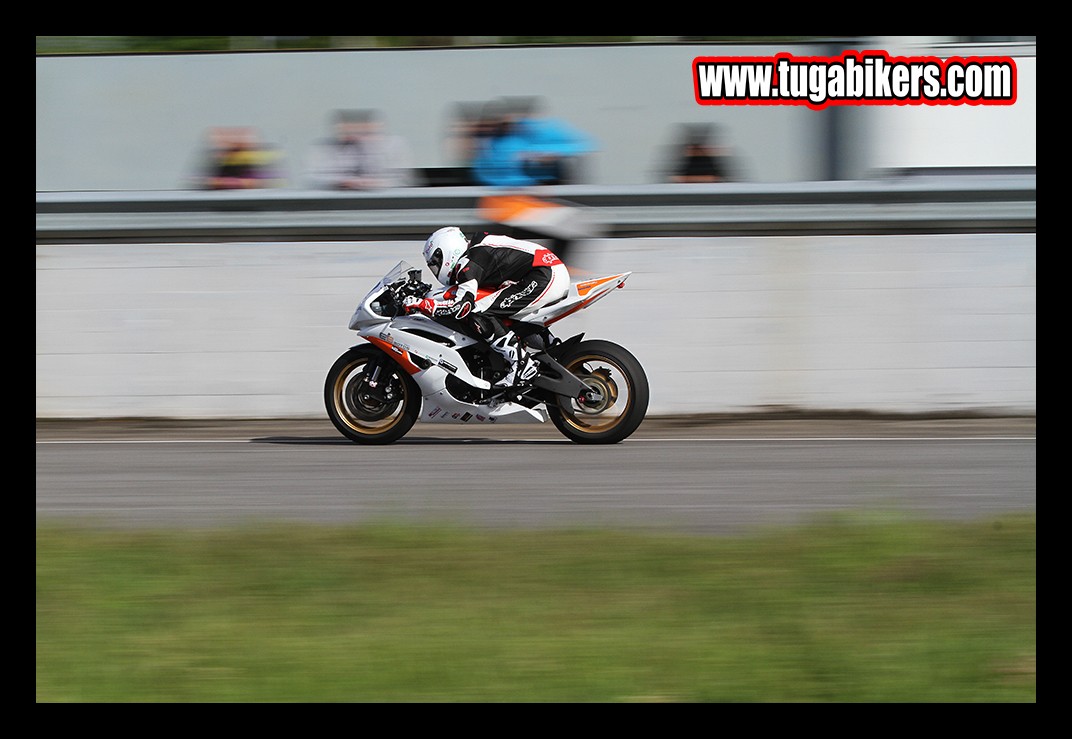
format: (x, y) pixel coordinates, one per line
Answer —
(358, 413)
(611, 381)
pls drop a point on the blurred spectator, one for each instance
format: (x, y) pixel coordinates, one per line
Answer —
(519, 147)
(462, 134)
(335, 162)
(555, 147)
(360, 155)
(387, 159)
(699, 156)
(238, 160)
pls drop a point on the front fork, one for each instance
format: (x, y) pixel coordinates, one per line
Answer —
(375, 386)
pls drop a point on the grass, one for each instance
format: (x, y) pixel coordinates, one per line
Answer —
(851, 609)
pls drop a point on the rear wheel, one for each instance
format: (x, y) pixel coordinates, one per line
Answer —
(366, 406)
(618, 401)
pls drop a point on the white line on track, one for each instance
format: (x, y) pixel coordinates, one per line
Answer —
(298, 440)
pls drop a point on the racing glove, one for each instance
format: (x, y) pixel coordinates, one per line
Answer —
(413, 304)
(455, 302)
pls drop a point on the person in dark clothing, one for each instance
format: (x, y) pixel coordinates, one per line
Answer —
(698, 164)
(498, 278)
(700, 156)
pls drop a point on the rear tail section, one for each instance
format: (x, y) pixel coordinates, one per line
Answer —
(581, 295)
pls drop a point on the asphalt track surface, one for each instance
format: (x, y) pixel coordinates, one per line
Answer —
(700, 475)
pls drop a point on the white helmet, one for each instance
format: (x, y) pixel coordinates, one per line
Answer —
(443, 250)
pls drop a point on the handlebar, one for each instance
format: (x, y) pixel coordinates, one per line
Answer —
(411, 287)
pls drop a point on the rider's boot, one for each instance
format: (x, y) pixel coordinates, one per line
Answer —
(522, 367)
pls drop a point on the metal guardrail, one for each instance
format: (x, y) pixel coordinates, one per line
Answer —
(986, 203)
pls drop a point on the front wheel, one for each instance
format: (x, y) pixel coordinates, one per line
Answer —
(369, 398)
(619, 399)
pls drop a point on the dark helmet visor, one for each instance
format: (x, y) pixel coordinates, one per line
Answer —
(435, 262)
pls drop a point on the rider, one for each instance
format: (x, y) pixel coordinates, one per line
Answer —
(520, 275)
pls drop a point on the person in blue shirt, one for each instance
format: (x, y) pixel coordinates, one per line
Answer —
(519, 148)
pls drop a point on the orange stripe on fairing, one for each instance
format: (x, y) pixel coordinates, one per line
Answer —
(502, 208)
(583, 288)
(399, 355)
(571, 311)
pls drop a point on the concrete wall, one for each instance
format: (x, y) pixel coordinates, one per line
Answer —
(881, 323)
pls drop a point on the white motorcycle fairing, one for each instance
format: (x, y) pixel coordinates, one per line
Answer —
(415, 368)
(431, 360)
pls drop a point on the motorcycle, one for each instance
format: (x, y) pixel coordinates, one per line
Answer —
(415, 368)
